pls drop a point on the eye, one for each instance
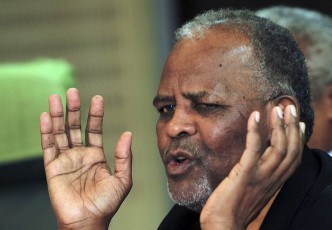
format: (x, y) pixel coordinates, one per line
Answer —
(167, 109)
(203, 107)
(209, 108)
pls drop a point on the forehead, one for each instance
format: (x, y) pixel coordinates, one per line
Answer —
(221, 60)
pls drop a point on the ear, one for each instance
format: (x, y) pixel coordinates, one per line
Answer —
(284, 100)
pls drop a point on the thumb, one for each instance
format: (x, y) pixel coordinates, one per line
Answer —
(123, 158)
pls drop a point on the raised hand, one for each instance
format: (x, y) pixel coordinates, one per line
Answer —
(258, 176)
(84, 193)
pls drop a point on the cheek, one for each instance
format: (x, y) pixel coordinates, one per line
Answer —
(226, 144)
(225, 135)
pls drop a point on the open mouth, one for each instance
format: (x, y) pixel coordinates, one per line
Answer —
(180, 159)
(178, 163)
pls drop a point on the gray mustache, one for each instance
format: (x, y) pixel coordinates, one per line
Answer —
(183, 144)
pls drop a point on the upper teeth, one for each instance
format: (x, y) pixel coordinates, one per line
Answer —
(181, 158)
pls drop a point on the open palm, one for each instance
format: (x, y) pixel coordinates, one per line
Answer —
(84, 192)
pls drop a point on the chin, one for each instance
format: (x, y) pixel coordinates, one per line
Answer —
(193, 197)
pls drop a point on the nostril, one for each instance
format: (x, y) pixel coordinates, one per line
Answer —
(183, 134)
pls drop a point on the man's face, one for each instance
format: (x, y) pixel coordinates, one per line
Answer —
(204, 99)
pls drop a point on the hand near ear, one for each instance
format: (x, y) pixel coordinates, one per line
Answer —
(84, 193)
(252, 182)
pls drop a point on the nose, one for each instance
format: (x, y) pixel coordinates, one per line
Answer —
(181, 125)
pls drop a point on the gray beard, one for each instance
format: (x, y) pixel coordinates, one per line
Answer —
(194, 199)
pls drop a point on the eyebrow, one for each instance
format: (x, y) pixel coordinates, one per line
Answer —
(163, 99)
(192, 96)
(196, 96)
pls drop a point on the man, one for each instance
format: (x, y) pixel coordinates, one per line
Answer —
(231, 97)
(313, 32)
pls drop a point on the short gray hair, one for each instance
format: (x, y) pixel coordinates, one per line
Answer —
(281, 69)
(316, 30)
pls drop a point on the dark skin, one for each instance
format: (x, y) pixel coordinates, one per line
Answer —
(206, 103)
(199, 109)
(246, 172)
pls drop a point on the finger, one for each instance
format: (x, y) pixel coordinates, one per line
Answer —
(295, 142)
(47, 138)
(294, 129)
(277, 151)
(302, 135)
(73, 118)
(252, 153)
(123, 159)
(56, 112)
(94, 132)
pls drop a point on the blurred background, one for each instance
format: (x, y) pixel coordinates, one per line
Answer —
(112, 48)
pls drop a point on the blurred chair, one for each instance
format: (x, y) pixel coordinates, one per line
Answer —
(24, 90)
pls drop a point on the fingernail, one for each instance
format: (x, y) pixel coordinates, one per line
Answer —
(302, 127)
(257, 116)
(279, 112)
(128, 133)
(293, 110)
